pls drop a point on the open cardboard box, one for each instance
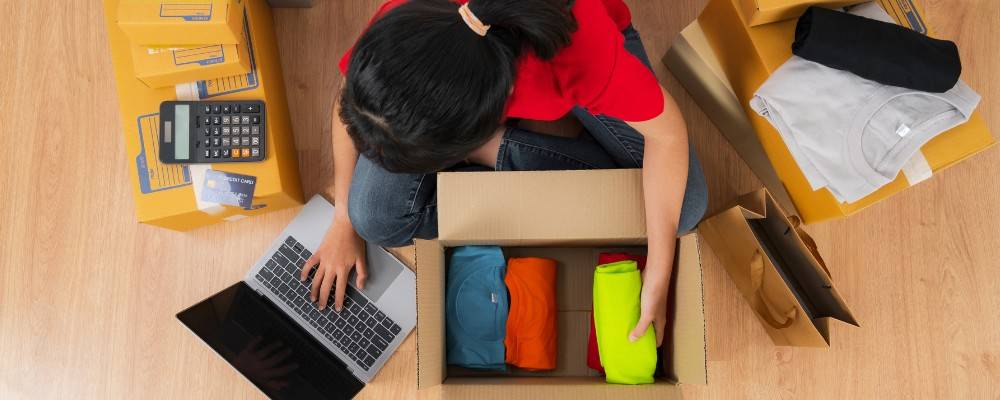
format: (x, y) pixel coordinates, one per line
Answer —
(569, 216)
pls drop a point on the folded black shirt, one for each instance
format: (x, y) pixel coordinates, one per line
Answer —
(882, 52)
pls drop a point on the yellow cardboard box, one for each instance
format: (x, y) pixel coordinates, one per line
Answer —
(748, 55)
(162, 67)
(761, 12)
(566, 220)
(164, 23)
(166, 195)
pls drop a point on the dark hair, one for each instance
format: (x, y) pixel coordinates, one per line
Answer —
(423, 90)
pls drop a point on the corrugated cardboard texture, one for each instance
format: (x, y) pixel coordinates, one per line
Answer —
(553, 388)
(162, 195)
(688, 353)
(761, 12)
(685, 363)
(749, 54)
(430, 313)
(165, 23)
(541, 208)
(696, 67)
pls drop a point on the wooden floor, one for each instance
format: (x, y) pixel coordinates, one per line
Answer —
(87, 295)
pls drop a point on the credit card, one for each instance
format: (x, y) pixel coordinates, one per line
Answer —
(228, 188)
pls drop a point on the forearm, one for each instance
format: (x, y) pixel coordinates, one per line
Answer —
(345, 157)
(664, 175)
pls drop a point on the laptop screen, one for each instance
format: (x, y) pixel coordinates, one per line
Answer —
(269, 349)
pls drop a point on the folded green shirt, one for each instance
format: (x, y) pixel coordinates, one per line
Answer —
(617, 289)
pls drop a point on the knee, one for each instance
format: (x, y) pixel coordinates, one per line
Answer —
(376, 221)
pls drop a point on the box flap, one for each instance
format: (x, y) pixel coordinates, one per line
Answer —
(576, 388)
(688, 352)
(541, 208)
(697, 68)
(430, 313)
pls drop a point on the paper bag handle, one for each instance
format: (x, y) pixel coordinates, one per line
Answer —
(809, 242)
(759, 303)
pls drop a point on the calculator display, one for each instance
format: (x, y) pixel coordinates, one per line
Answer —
(182, 115)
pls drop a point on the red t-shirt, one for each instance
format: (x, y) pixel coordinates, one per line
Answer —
(594, 71)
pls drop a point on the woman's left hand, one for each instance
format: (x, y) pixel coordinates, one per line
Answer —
(655, 284)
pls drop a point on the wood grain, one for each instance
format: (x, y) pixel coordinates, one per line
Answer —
(88, 296)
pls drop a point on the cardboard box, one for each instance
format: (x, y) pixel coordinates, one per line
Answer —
(761, 12)
(778, 270)
(162, 67)
(556, 214)
(168, 23)
(167, 195)
(748, 55)
(692, 61)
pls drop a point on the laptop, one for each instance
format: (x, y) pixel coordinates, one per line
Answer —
(266, 327)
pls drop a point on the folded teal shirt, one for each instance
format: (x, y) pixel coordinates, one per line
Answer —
(617, 290)
(476, 306)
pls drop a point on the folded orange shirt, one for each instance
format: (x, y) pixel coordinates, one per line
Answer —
(531, 322)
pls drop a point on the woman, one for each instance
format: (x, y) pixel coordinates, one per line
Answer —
(499, 84)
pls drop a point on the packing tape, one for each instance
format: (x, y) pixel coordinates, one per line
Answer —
(187, 91)
(917, 169)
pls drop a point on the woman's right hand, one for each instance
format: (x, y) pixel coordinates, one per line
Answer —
(341, 250)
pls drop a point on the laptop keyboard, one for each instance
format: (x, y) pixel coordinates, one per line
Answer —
(360, 329)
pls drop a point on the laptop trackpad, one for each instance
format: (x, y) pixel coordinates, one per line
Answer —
(383, 269)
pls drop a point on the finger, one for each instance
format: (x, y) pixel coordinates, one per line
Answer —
(324, 291)
(338, 295)
(362, 273)
(640, 329)
(317, 280)
(310, 263)
(658, 325)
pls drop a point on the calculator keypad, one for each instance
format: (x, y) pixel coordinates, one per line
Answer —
(230, 132)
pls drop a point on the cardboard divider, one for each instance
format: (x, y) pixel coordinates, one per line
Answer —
(430, 313)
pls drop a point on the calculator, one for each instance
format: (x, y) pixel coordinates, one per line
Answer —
(211, 132)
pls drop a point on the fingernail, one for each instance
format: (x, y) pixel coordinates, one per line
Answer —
(632, 338)
(321, 308)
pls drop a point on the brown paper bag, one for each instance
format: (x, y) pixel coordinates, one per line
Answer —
(778, 270)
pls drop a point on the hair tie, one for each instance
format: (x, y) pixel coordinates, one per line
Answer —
(472, 21)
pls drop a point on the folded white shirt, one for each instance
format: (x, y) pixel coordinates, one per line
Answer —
(849, 134)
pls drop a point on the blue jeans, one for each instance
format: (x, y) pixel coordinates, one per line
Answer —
(391, 209)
